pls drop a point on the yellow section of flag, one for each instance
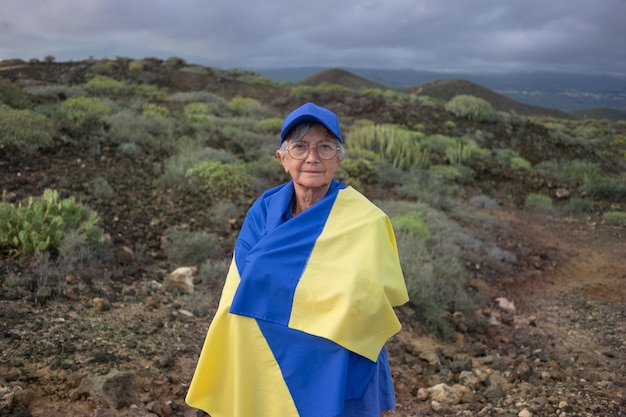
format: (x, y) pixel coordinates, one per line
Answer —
(352, 280)
(234, 359)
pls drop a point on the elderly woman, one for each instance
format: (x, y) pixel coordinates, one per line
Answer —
(307, 305)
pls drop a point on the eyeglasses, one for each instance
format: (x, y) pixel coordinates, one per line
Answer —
(300, 150)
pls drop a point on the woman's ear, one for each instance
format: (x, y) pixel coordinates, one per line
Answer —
(281, 159)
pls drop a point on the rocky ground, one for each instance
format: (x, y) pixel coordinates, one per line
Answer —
(119, 341)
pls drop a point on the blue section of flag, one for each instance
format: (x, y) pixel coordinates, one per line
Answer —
(320, 374)
(272, 263)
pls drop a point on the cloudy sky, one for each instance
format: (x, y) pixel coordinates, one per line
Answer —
(586, 36)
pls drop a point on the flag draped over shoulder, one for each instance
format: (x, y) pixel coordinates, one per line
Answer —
(305, 311)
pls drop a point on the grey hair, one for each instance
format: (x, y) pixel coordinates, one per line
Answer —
(301, 130)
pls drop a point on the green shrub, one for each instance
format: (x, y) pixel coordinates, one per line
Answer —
(270, 125)
(449, 125)
(618, 140)
(25, 129)
(470, 107)
(436, 281)
(359, 169)
(245, 106)
(458, 154)
(56, 91)
(411, 223)
(395, 145)
(256, 79)
(578, 207)
(222, 212)
(615, 217)
(136, 65)
(196, 69)
(538, 202)
(129, 149)
(197, 113)
(148, 91)
(243, 141)
(213, 272)
(41, 225)
(371, 92)
(445, 173)
(392, 95)
(304, 92)
(430, 187)
(83, 115)
(187, 156)
(267, 171)
(154, 111)
(219, 181)
(519, 163)
(103, 85)
(184, 247)
(101, 189)
(509, 159)
(576, 173)
(105, 67)
(13, 95)
(611, 189)
(128, 127)
(438, 144)
(425, 100)
(173, 62)
(11, 62)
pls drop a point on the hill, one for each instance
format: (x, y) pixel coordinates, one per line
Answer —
(446, 89)
(340, 77)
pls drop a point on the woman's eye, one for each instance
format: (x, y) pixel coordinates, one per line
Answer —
(299, 146)
(325, 146)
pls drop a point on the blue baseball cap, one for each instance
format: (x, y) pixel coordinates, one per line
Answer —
(311, 112)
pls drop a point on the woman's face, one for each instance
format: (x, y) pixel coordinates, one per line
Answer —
(311, 173)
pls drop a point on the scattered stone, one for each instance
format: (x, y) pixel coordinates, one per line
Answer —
(159, 408)
(114, 389)
(181, 280)
(101, 304)
(423, 394)
(437, 407)
(468, 379)
(125, 256)
(430, 357)
(185, 313)
(445, 394)
(506, 305)
(562, 193)
(524, 371)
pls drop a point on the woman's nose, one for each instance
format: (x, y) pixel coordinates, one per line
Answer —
(312, 151)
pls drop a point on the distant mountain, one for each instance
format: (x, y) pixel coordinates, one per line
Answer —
(446, 89)
(564, 91)
(340, 77)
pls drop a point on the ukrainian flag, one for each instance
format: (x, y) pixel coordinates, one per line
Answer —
(305, 311)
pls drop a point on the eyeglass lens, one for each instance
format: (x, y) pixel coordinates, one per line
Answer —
(325, 150)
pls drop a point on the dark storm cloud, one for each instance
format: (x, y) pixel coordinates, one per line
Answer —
(438, 35)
